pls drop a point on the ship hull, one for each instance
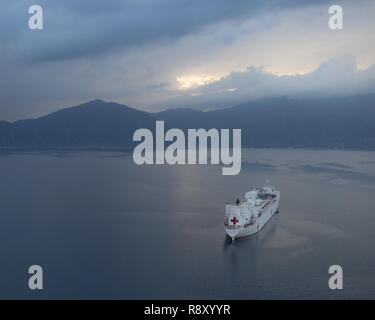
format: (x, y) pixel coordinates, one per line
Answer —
(267, 213)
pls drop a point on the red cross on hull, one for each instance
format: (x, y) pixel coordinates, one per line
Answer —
(234, 221)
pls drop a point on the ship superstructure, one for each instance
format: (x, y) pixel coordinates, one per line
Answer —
(248, 216)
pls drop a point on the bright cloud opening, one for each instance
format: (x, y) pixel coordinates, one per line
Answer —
(193, 81)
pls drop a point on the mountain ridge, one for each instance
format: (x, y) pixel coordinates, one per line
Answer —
(282, 122)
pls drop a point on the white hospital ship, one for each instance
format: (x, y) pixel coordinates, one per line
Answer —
(248, 216)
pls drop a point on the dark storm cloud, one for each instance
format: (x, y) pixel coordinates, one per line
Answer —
(75, 29)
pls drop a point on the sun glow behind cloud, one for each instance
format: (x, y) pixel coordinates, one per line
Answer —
(193, 81)
(280, 71)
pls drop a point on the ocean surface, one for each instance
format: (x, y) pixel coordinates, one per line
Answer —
(103, 227)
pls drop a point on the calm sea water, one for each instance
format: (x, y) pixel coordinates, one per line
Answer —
(102, 227)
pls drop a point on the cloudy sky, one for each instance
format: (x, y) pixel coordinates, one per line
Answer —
(158, 54)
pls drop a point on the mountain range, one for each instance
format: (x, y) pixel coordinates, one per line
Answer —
(282, 122)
